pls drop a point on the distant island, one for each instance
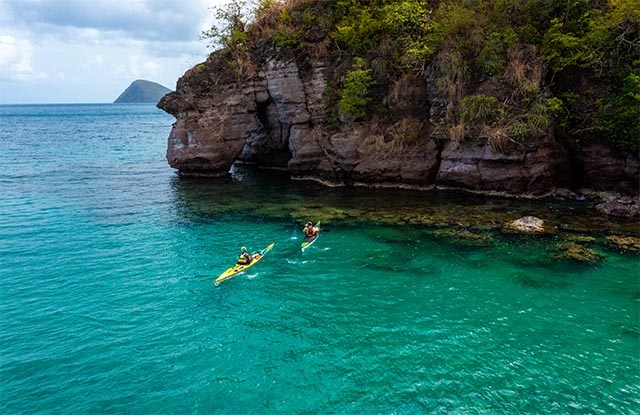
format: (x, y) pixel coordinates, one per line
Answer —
(142, 91)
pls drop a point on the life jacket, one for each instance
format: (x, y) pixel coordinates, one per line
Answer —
(244, 259)
(310, 231)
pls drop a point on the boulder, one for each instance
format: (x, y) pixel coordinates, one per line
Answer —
(528, 225)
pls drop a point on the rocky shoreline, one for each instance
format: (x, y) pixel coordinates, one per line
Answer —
(574, 227)
(270, 110)
(274, 114)
(606, 202)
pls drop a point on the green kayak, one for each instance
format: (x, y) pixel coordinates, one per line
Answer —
(309, 240)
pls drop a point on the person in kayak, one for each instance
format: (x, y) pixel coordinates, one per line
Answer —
(310, 230)
(245, 257)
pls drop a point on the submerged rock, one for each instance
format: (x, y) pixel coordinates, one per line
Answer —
(464, 237)
(577, 252)
(584, 239)
(625, 243)
(537, 281)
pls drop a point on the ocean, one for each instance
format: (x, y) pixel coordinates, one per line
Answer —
(408, 302)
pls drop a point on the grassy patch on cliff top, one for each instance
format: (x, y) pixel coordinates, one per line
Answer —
(586, 53)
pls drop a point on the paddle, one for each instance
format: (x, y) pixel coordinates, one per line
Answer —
(321, 228)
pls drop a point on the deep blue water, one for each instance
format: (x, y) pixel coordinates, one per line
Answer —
(107, 303)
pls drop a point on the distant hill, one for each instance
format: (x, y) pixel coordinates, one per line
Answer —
(143, 91)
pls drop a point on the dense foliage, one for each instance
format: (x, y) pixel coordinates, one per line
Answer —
(354, 98)
(573, 65)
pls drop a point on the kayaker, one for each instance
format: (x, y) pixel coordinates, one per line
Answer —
(310, 230)
(245, 257)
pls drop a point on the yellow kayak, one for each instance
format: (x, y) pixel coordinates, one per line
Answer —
(238, 268)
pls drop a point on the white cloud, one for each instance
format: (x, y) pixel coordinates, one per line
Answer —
(137, 66)
(90, 51)
(15, 60)
(94, 60)
(138, 19)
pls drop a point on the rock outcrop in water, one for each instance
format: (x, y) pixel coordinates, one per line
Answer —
(528, 225)
(276, 107)
(274, 115)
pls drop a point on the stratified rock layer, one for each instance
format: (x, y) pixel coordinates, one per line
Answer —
(265, 109)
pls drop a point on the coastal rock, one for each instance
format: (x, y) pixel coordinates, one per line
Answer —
(222, 117)
(605, 169)
(308, 159)
(619, 209)
(277, 109)
(528, 225)
(287, 91)
(478, 166)
(208, 137)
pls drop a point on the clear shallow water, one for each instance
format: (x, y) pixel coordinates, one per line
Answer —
(107, 303)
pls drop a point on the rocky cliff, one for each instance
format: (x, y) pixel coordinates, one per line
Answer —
(273, 107)
(274, 114)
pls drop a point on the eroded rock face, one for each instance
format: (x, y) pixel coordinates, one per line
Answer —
(214, 122)
(603, 169)
(476, 165)
(267, 110)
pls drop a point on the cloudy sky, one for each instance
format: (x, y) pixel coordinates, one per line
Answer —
(89, 51)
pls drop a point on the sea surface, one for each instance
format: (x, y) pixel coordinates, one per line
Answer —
(107, 301)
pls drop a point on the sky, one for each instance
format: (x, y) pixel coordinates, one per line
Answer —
(90, 51)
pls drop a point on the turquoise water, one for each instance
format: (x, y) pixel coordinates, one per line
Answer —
(107, 303)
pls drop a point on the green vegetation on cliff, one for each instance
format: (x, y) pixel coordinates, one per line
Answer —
(571, 65)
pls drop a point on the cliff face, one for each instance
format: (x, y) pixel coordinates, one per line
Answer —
(271, 108)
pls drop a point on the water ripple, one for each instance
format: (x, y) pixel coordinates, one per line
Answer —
(107, 303)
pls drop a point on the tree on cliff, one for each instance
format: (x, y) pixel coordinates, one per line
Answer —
(571, 65)
(231, 32)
